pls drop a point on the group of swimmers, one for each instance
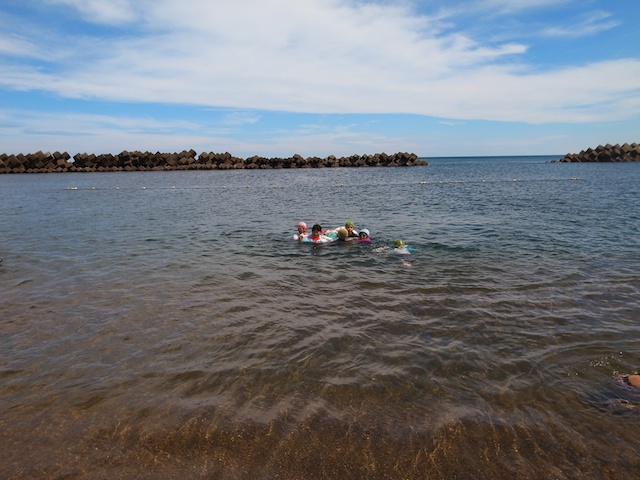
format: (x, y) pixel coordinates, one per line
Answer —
(348, 233)
(344, 234)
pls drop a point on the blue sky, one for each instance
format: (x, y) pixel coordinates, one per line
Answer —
(319, 77)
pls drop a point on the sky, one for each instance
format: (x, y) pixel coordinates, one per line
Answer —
(319, 77)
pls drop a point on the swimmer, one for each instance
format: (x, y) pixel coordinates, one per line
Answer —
(630, 380)
(351, 233)
(343, 234)
(629, 398)
(363, 236)
(318, 235)
(402, 251)
(634, 380)
(302, 231)
(400, 248)
(316, 231)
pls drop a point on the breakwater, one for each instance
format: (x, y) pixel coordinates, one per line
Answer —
(629, 152)
(57, 162)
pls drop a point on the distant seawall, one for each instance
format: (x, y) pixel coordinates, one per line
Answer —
(57, 162)
(629, 152)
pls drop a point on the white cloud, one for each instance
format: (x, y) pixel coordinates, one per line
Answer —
(593, 23)
(15, 46)
(241, 118)
(510, 6)
(111, 12)
(25, 132)
(323, 56)
(495, 8)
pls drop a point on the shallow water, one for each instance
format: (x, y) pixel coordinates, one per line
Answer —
(164, 324)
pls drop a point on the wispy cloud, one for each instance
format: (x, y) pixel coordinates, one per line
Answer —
(111, 12)
(593, 23)
(241, 118)
(510, 6)
(23, 131)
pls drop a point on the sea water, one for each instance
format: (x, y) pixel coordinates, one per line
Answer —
(165, 324)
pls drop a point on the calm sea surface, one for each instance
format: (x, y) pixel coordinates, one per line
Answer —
(165, 325)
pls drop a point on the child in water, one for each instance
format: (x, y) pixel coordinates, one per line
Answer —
(317, 235)
(401, 250)
(351, 232)
(363, 236)
(316, 232)
(629, 380)
(302, 231)
(343, 234)
(629, 397)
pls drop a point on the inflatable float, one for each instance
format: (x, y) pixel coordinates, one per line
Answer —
(326, 236)
(330, 236)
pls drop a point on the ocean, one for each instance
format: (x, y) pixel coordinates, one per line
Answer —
(160, 325)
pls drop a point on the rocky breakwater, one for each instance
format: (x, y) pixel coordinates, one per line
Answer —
(187, 160)
(606, 153)
(35, 162)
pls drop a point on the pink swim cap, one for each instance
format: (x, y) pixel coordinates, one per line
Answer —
(302, 224)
